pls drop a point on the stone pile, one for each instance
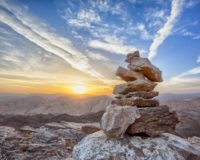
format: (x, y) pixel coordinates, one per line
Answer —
(134, 110)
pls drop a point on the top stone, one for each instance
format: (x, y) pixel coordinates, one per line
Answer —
(144, 66)
(131, 56)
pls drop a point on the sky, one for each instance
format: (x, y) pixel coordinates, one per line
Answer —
(60, 46)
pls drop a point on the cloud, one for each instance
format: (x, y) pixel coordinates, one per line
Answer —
(198, 59)
(191, 3)
(144, 34)
(188, 81)
(196, 37)
(112, 44)
(165, 31)
(30, 28)
(108, 6)
(85, 18)
(21, 77)
(97, 56)
(113, 47)
(155, 18)
(184, 32)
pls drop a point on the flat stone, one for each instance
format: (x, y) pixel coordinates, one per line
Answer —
(154, 121)
(141, 85)
(142, 94)
(132, 86)
(144, 66)
(87, 128)
(55, 125)
(128, 75)
(136, 101)
(28, 129)
(117, 119)
(121, 89)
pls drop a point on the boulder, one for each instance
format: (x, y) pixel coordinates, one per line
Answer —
(136, 101)
(142, 94)
(154, 121)
(129, 75)
(132, 86)
(98, 146)
(117, 119)
(146, 68)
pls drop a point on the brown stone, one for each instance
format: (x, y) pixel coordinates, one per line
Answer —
(132, 86)
(142, 94)
(129, 75)
(154, 121)
(136, 101)
(141, 85)
(144, 66)
(89, 129)
(131, 56)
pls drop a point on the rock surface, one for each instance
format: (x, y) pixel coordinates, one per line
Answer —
(141, 85)
(144, 66)
(128, 75)
(135, 101)
(116, 119)
(137, 85)
(154, 121)
(132, 56)
(142, 94)
(53, 141)
(98, 146)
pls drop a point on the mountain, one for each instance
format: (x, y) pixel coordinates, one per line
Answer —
(17, 110)
(188, 111)
(56, 104)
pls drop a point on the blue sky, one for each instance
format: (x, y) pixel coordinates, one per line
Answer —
(74, 42)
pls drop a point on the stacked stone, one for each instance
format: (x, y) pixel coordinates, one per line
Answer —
(141, 80)
(134, 110)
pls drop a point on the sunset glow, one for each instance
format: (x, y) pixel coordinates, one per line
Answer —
(75, 48)
(79, 89)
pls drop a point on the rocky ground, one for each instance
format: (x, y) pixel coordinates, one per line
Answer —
(56, 141)
(53, 141)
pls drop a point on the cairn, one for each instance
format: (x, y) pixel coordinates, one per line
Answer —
(134, 110)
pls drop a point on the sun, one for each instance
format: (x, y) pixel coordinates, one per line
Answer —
(79, 89)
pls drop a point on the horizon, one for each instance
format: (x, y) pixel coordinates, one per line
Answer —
(68, 47)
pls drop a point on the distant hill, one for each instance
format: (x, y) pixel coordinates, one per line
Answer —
(56, 104)
(36, 109)
(171, 96)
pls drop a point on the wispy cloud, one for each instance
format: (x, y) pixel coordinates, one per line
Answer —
(198, 59)
(144, 34)
(85, 18)
(30, 28)
(113, 47)
(184, 32)
(97, 56)
(155, 18)
(188, 81)
(192, 3)
(165, 31)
